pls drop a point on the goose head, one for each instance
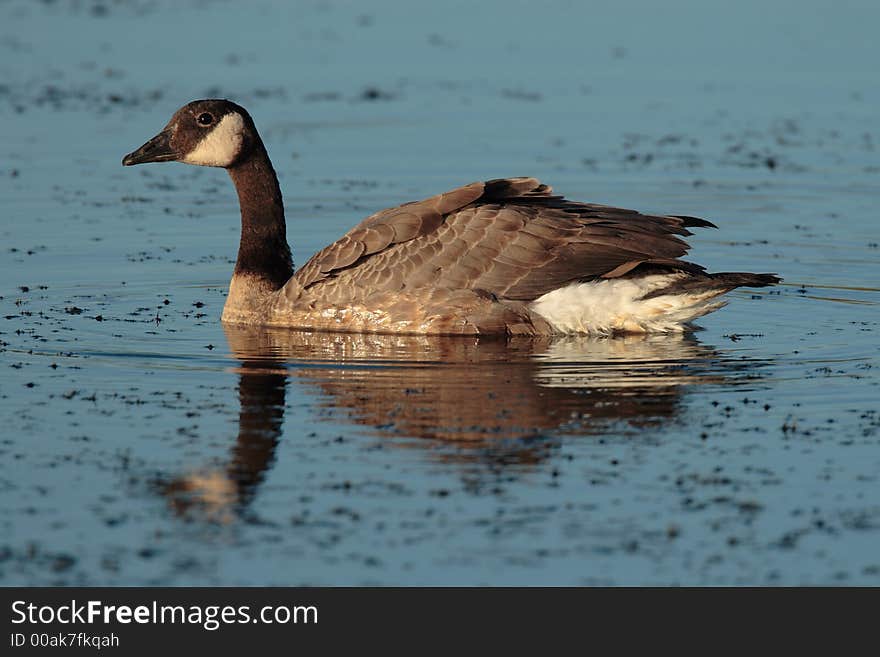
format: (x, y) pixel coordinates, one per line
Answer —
(210, 133)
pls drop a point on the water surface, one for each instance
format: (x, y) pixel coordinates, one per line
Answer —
(144, 443)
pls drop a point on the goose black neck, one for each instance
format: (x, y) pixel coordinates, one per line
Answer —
(263, 251)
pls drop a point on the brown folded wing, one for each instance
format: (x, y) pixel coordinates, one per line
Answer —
(510, 237)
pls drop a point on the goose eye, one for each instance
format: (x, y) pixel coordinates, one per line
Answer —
(205, 119)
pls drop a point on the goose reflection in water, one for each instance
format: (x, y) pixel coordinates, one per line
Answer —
(494, 402)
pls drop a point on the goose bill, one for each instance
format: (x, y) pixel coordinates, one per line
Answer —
(158, 149)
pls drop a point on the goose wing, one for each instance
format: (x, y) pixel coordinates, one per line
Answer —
(510, 237)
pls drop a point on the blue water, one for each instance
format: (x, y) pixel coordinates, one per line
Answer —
(144, 444)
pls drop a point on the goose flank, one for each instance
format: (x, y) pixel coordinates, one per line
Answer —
(501, 257)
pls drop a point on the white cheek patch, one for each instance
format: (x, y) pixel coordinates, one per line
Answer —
(221, 145)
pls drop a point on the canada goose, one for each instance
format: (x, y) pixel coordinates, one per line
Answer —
(500, 257)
